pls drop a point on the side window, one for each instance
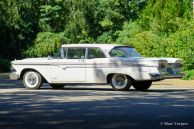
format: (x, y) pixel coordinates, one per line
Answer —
(75, 53)
(95, 53)
(117, 53)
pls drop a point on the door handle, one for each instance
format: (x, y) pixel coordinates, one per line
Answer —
(81, 60)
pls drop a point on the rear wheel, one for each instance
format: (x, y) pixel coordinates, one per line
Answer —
(32, 80)
(120, 82)
(142, 85)
(57, 86)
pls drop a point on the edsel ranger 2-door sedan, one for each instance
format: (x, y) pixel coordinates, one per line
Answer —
(119, 65)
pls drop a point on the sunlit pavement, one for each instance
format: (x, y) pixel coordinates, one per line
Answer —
(167, 104)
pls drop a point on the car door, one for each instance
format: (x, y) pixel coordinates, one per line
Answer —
(96, 66)
(70, 68)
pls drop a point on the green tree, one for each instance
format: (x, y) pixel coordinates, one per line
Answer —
(111, 14)
(164, 15)
(164, 29)
(18, 27)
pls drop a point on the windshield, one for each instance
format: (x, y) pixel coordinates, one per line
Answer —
(58, 54)
(124, 52)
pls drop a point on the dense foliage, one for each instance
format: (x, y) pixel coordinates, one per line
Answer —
(162, 28)
(189, 75)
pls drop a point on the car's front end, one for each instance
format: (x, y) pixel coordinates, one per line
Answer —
(13, 75)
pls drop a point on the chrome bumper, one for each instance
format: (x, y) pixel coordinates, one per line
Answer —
(156, 76)
(173, 73)
(174, 76)
(14, 76)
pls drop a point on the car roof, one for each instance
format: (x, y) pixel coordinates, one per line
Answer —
(102, 46)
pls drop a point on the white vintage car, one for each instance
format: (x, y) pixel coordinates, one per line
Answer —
(119, 65)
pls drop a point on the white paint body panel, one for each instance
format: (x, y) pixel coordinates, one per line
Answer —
(68, 70)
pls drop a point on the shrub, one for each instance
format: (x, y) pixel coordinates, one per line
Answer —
(179, 44)
(189, 75)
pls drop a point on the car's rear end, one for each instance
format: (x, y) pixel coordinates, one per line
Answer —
(174, 68)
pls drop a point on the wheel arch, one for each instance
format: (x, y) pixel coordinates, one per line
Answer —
(109, 76)
(31, 69)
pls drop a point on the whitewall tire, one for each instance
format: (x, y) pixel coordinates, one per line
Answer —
(32, 80)
(121, 82)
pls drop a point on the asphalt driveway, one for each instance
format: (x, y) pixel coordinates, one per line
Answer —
(165, 105)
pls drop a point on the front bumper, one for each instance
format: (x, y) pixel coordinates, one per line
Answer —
(14, 76)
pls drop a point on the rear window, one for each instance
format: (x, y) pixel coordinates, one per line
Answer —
(124, 52)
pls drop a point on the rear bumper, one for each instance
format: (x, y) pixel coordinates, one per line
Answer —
(161, 76)
(173, 73)
(156, 76)
(14, 76)
(174, 76)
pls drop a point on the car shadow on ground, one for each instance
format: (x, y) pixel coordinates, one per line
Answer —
(110, 89)
(79, 107)
(10, 84)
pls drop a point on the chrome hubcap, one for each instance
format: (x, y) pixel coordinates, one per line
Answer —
(32, 79)
(120, 80)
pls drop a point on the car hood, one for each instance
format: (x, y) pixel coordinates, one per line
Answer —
(30, 61)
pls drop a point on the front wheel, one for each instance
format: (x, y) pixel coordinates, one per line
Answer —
(121, 82)
(32, 80)
(142, 85)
